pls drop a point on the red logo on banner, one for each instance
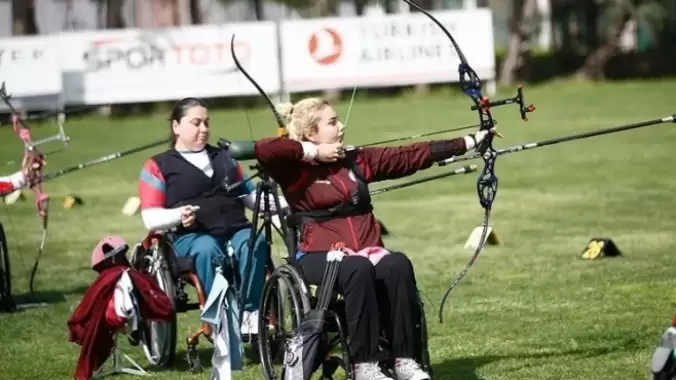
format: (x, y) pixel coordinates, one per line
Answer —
(325, 46)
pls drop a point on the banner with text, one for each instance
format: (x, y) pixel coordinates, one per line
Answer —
(116, 66)
(29, 66)
(389, 50)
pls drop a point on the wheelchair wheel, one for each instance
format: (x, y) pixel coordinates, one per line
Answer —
(159, 338)
(283, 304)
(6, 302)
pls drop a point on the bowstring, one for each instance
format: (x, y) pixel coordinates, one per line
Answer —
(349, 107)
(18, 248)
(275, 236)
(354, 88)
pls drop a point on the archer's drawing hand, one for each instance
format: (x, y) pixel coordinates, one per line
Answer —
(330, 152)
(188, 215)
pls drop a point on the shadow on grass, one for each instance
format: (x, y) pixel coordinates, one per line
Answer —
(34, 301)
(466, 368)
(204, 352)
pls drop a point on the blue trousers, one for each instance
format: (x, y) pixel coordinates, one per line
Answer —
(209, 252)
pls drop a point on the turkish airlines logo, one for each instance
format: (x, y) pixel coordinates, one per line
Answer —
(325, 46)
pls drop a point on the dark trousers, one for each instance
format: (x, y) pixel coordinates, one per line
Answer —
(377, 298)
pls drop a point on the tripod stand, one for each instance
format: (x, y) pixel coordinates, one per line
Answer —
(266, 191)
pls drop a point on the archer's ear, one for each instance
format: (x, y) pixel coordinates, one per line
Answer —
(174, 126)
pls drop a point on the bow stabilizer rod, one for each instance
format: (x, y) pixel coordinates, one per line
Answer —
(558, 140)
(102, 160)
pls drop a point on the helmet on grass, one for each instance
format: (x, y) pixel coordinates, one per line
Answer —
(110, 247)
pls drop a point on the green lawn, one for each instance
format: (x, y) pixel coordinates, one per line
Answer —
(529, 309)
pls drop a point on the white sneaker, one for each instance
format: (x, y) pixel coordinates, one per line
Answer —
(664, 351)
(408, 369)
(369, 371)
(250, 323)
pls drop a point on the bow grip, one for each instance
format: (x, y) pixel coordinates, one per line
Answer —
(42, 204)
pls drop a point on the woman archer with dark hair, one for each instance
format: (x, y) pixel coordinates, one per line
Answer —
(181, 190)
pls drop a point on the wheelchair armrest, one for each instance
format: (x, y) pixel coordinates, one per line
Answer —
(151, 239)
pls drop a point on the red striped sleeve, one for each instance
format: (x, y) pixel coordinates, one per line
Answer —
(151, 186)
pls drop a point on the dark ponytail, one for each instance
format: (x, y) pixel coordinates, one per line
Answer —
(181, 109)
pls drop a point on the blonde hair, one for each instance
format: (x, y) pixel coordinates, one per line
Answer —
(301, 118)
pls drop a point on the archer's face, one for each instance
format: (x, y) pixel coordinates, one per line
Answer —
(192, 131)
(329, 128)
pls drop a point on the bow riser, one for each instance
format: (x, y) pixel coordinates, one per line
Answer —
(487, 183)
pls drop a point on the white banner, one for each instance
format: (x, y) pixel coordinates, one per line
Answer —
(386, 50)
(29, 66)
(119, 66)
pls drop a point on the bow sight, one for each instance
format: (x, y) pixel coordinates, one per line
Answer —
(518, 99)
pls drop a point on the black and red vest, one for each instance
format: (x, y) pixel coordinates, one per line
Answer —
(221, 213)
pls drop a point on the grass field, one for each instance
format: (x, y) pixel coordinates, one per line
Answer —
(529, 309)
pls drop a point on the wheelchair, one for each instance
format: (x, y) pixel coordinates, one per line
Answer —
(287, 279)
(155, 256)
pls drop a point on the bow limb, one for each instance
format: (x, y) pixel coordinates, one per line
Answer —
(281, 128)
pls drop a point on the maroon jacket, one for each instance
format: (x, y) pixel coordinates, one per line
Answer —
(309, 187)
(87, 326)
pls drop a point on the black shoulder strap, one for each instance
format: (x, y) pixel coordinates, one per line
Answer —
(358, 204)
(351, 164)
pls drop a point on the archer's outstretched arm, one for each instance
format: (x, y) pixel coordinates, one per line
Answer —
(12, 183)
(383, 164)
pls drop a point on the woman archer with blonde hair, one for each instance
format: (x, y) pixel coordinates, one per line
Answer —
(327, 188)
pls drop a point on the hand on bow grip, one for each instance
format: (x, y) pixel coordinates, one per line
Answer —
(480, 136)
(31, 167)
(486, 103)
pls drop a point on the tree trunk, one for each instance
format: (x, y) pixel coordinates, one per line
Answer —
(565, 18)
(359, 6)
(196, 12)
(325, 8)
(390, 6)
(114, 19)
(423, 88)
(424, 4)
(258, 10)
(519, 50)
(23, 18)
(595, 63)
(591, 12)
